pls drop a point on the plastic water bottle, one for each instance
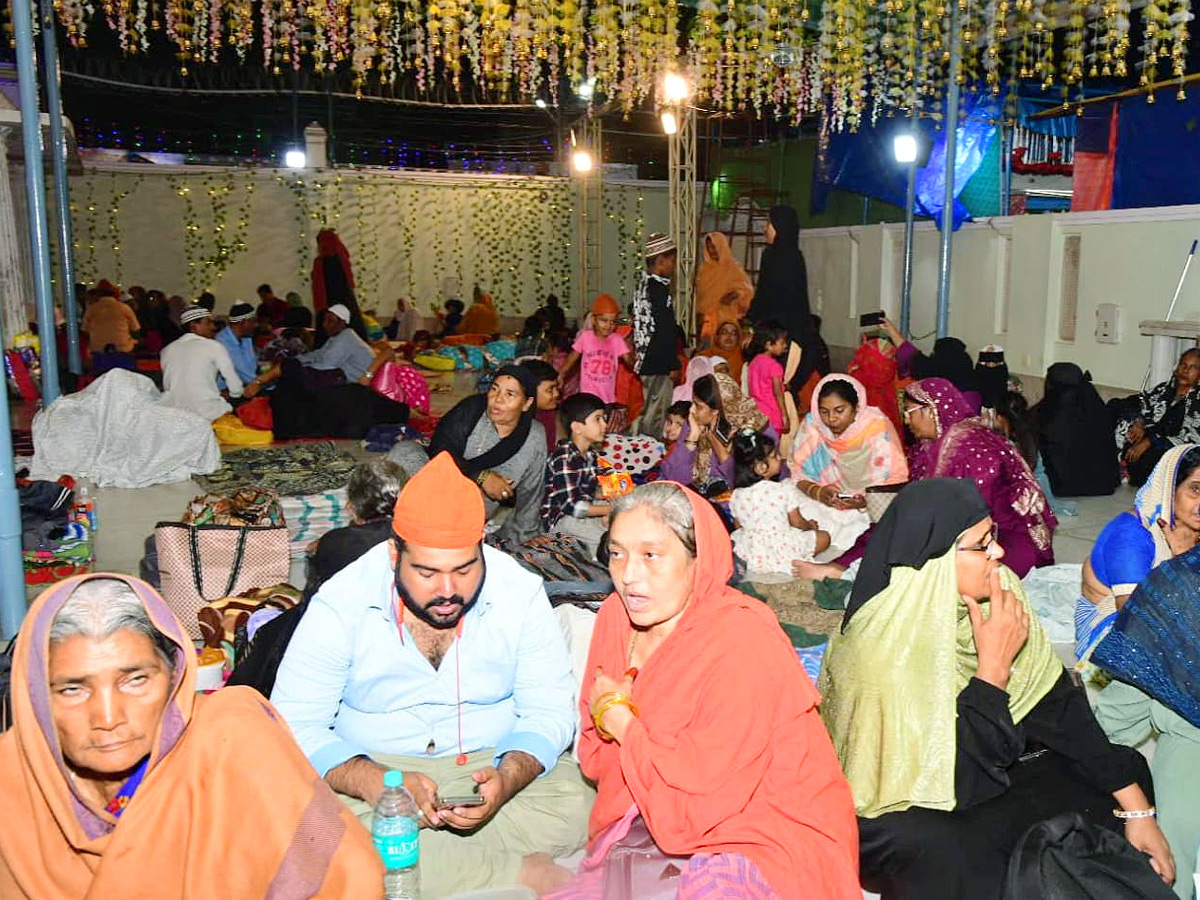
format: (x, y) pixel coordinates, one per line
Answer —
(85, 506)
(394, 829)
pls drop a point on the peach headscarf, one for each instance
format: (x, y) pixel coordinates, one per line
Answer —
(228, 802)
(728, 754)
(723, 289)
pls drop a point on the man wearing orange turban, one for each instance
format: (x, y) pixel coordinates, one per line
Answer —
(440, 657)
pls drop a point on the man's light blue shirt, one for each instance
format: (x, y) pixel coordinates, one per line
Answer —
(345, 351)
(241, 351)
(349, 685)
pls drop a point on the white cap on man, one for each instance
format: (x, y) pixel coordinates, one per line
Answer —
(193, 313)
(340, 310)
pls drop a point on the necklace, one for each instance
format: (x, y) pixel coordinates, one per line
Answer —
(632, 672)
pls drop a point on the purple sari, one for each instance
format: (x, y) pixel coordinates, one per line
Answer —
(680, 464)
(967, 448)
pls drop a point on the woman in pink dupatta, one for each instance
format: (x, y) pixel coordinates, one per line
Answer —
(952, 442)
(863, 453)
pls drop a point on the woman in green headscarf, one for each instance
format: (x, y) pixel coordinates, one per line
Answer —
(931, 692)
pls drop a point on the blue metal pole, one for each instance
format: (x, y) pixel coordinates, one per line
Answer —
(906, 287)
(62, 190)
(12, 572)
(952, 100)
(35, 191)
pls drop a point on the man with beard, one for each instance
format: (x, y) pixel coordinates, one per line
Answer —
(439, 656)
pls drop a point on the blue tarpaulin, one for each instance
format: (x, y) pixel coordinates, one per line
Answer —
(863, 161)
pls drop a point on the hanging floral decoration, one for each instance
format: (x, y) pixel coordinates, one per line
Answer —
(863, 58)
(513, 236)
(214, 235)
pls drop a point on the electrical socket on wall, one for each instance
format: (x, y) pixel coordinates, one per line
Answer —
(1108, 324)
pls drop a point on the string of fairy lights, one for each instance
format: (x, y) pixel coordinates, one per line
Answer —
(513, 236)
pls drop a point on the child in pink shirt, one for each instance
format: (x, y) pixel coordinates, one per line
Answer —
(765, 372)
(598, 351)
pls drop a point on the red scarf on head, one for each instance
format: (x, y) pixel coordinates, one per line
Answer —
(328, 244)
(729, 754)
(874, 364)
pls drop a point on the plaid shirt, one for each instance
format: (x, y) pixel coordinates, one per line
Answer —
(570, 477)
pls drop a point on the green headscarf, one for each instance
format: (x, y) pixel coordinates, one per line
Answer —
(891, 680)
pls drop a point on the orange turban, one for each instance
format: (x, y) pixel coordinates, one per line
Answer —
(440, 508)
(605, 305)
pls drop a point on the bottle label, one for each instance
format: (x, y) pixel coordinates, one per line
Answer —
(399, 851)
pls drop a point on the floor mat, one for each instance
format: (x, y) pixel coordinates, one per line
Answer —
(795, 603)
(295, 470)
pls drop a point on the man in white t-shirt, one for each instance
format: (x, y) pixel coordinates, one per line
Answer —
(191, 364)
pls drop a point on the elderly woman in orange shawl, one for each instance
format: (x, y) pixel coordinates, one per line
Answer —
(481, 317)
(727, 345)
(700, 728)
(723, 289)
(118, 781)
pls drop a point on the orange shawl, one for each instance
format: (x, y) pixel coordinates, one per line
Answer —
(481, 318)
(723, 289)
(729, 754)
(229, 806)
(734, 358)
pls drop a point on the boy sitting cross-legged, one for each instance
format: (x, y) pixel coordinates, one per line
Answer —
(571, 505)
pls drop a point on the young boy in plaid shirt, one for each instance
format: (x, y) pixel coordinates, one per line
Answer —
(570, 506)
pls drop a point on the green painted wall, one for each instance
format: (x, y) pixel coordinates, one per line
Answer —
(787, 166)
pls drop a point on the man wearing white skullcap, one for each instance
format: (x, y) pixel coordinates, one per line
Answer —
(344, 350)
(192, 363)
(654, 332)
(238, 338)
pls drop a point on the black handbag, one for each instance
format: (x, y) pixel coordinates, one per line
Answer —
(1069, 858)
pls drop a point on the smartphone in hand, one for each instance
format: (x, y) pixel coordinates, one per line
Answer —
(465, 800)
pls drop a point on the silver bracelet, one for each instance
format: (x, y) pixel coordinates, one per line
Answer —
(1135, 813)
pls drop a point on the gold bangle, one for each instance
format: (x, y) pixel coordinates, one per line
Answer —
(603, 704)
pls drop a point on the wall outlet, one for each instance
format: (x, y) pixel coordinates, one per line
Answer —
(1108, 324)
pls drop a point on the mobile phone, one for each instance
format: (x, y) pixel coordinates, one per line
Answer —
(870, 320)
(465, 800)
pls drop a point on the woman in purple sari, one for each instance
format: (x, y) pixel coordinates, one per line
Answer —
(952, 442)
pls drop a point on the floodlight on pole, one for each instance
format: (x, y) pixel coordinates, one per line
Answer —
(670, 125)
(904, 147)
(295, 159)
(581, 161)
(675, 89)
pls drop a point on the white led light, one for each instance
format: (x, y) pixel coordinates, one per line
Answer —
(904, 147)
(581, 161)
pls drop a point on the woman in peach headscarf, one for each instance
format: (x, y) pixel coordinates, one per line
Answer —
(700, 728)
(723, 289)
(118, 781)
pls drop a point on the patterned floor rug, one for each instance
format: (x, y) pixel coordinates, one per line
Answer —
(294, 470)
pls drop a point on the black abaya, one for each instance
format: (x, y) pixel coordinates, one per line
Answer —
(782, 291)
(1075, 435)
(935, 855)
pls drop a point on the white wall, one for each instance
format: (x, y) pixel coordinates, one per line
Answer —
(515, 236)
(1128, 257)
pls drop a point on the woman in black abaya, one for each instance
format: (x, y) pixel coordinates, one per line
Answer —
(782, 290)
